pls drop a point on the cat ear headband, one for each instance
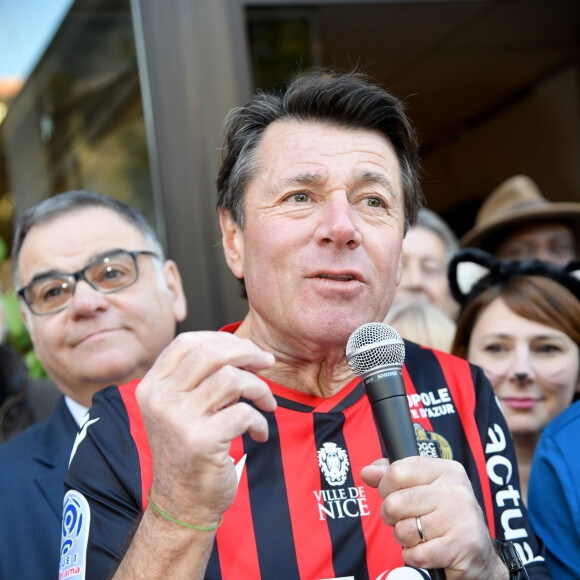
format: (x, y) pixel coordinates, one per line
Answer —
(471, 271)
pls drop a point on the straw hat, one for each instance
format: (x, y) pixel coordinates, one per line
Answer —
(517, 202)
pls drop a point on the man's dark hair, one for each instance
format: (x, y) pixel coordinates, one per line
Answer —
(69, 202)
(348, 100)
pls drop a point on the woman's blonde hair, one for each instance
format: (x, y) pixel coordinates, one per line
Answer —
(423, 323)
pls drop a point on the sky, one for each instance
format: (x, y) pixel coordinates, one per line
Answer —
(26, 29)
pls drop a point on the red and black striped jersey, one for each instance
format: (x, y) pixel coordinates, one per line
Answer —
(302, 511)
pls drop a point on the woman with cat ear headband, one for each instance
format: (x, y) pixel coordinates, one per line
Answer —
(520, 322)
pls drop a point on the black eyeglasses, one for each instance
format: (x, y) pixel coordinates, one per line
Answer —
(112, 273)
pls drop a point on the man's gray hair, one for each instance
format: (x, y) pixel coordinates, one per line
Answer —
(429, 220)
(348, 100)
(69, 202)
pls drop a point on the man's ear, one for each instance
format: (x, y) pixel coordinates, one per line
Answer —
(27, 319)
(233, 243)
(175, 287)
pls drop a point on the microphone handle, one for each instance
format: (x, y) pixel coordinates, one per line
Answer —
(394, 423)
(388, 398)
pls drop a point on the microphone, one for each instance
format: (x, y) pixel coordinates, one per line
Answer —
(375, 352)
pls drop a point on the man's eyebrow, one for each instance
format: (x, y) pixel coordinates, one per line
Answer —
(302, 179)
(375, 177)
(55, 272)
(44, 274)
(362, 176)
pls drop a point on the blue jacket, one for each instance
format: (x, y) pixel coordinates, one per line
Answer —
(32, 467)
(554, 493)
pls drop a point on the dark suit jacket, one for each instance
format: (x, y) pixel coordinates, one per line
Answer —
(32, 467)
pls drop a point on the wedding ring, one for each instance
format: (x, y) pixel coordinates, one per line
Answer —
(420, 529)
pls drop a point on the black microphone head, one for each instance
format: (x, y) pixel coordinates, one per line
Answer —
(374, 346)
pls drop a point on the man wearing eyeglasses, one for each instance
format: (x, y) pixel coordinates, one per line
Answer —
(100, 303)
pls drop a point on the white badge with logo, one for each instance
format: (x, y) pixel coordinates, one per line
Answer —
(76, 521)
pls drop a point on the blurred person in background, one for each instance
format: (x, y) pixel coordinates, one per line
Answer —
(428, 247)
(516, 222)
(100, 302)
(520, 322)
(23, 400)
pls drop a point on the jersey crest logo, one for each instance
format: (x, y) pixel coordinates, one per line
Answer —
(333, 462)
(432, 444)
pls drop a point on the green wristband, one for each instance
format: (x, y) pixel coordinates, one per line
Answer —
(179, 522)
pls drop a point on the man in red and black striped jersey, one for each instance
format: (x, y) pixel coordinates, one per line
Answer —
(250, 453)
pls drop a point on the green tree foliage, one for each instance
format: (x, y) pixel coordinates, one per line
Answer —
(15, 333)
